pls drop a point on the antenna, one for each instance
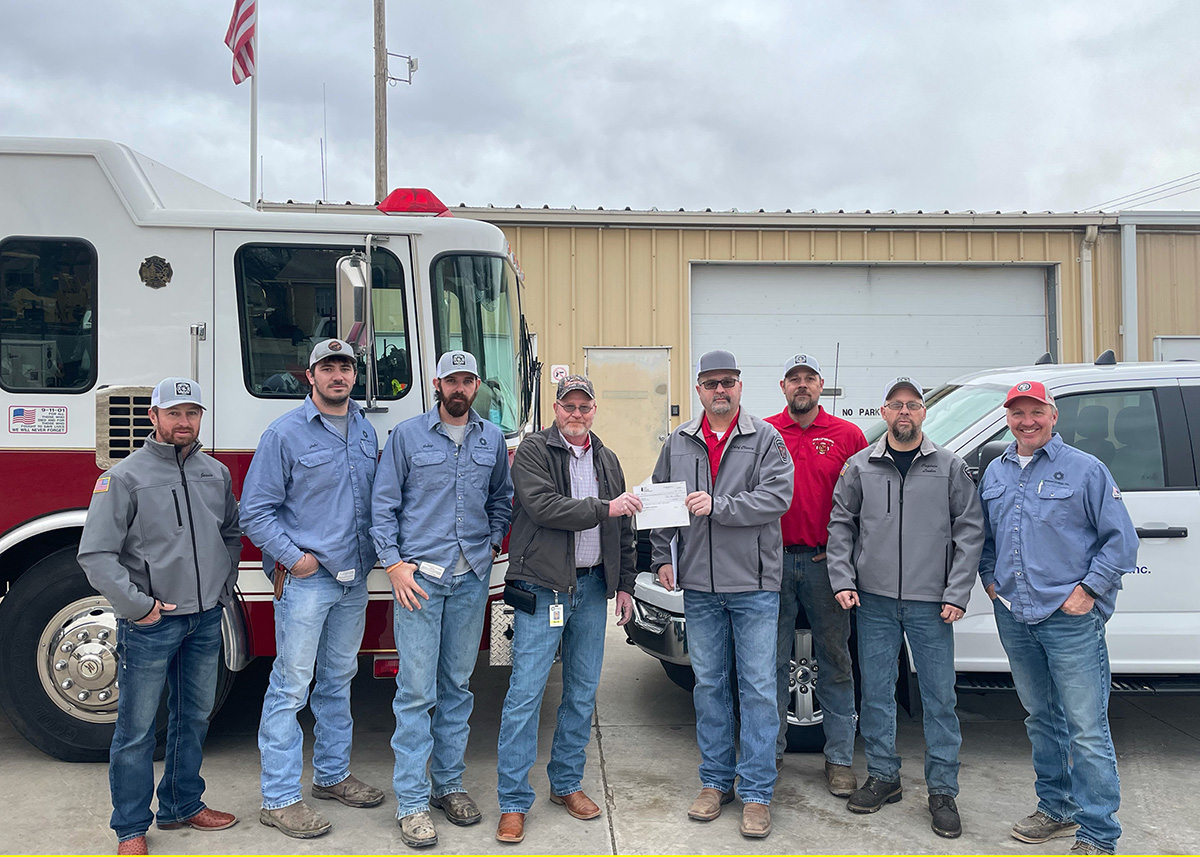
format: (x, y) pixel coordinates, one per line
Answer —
(837, 354)
(324, 137)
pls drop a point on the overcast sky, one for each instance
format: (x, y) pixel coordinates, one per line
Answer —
(826, 105)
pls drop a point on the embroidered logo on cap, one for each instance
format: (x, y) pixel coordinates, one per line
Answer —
(1024, 387)
(333, 345)
(458, 360)
(182, 388)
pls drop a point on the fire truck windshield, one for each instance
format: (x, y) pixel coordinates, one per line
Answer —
(475, 298)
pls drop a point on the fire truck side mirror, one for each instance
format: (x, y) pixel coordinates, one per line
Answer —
(352, 299)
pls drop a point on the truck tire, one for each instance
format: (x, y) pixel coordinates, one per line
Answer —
(58, 663)
(805, 732)
(48, 607)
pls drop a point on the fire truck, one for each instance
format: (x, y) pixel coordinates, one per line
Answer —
(118, 271)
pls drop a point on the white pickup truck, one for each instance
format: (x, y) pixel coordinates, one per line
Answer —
(1143, 421)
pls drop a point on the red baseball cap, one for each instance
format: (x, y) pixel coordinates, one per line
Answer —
(1035, 390)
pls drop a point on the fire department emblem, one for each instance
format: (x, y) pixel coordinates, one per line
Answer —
(822, 445)
(155, 272)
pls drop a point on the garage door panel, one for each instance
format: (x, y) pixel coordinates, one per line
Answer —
(933, 322)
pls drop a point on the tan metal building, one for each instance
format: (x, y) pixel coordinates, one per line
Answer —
(603, 287)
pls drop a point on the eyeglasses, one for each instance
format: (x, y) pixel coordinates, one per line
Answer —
(913, 407)
(583, 409)
(727, 383)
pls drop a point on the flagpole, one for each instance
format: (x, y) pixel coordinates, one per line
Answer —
(254, 115)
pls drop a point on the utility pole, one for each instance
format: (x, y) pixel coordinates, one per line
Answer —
(381, 83)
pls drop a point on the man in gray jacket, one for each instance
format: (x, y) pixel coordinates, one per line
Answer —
(738, 477)
(904, 544)
(570, 550)
(161, 543)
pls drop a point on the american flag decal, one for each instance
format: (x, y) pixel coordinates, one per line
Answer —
(24, 416)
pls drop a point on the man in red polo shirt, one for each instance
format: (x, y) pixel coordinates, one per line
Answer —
(819, 444)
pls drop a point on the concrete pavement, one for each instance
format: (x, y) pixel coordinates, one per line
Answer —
(642, 770)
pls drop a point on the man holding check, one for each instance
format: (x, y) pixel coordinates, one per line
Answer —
(738, 476)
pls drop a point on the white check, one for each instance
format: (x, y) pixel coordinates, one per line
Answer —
(662, 506)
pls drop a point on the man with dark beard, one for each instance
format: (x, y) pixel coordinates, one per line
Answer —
(904, 544)
(307, 505)
(819, 443)
(442, 504)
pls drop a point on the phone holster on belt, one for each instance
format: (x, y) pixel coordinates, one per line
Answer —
(520, 599)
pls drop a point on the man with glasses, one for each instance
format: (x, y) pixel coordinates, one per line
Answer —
(573, 549)
(738, 477)
(904, 543)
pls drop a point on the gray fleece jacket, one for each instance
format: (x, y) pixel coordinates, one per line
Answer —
(165, 528)
(739, 547)
(917, 538)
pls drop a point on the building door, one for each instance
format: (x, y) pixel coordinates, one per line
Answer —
(633, 395)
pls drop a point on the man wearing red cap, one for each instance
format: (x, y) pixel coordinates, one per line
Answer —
(1058, 538)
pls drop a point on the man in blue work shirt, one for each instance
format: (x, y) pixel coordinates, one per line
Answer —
(442, 504)
(1058, 539)
(307, 505)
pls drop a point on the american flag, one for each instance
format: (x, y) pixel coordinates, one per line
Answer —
(239, 38)
(24, 416)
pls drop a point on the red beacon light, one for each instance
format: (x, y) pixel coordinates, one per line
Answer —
(413, 200)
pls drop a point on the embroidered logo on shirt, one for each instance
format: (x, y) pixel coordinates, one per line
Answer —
(101, 485)
(845, 467)
(781, 448)
(822, 445)
(1116, 493)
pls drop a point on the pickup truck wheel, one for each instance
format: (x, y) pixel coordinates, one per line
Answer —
(58, 661)
(805, 732)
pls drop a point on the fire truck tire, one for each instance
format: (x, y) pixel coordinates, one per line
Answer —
(58, 662)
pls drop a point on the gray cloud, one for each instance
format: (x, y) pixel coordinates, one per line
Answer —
(1025, 105)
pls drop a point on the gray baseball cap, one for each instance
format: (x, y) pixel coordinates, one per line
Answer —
(331, 348)
(176, 391)
(902, 381)
(457, 361)
(574, 382)
(806, 360)
(715, 361)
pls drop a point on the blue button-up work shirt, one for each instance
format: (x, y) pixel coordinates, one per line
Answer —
(1056, 524)
(433, 498)
(308, 489)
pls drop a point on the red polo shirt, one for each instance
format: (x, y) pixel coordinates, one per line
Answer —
(716, 445)
(819, 452)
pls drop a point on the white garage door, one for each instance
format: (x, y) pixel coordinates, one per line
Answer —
(930, 322)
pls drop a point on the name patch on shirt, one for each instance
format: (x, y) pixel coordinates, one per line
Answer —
(102, 485)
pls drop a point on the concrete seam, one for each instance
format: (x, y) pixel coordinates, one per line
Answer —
(609, 803)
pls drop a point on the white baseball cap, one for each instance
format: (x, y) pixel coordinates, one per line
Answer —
(331, 348)
(805, 360)
(456, 361)
(176, 391)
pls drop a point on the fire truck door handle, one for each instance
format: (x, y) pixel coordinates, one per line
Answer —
(199, 334)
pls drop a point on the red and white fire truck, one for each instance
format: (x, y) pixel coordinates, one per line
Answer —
(117, 271)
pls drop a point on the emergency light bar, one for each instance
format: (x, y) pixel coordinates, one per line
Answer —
(413, 200)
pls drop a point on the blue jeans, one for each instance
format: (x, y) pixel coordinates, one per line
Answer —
(882, 624)
(183, 653)
(319, 627)
(807, 582)
(534, 644)
(438, 647)
(1060, 669)
(723, 627)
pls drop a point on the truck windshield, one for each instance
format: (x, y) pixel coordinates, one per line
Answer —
(476, 304)
(952, 409)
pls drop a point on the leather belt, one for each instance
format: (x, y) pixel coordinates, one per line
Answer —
(580, 572)
(803, 549)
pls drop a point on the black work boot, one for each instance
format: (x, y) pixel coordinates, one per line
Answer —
(945, 816)
(874, 794)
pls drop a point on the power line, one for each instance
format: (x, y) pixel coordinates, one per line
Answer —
(1123, 200)
(1192, 189)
